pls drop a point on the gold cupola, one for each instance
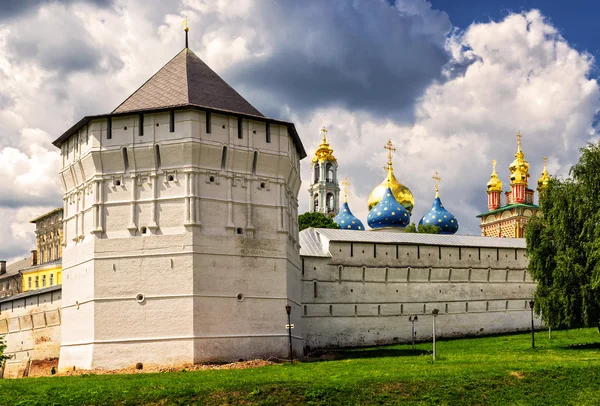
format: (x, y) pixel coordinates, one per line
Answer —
(494, 184)
(324, 152)
(519, 168)
(543, 180)
(401, 193)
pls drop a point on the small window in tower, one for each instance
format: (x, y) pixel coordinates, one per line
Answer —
(268, 130)
(109, 128)
(125, 159)
(316, 202)
(117, 182)
(254, 162)
(141, 125)
(224, 158)
(157, 156)
(240, 128)
(263, 185)
(170, 178)
(43, 280)
(172, 121)
(212, 179)
(208, 122)
(240, 230)
(144, 230)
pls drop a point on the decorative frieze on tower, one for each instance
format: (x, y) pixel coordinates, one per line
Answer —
(510, 220)
(180, 227)
(324, 191)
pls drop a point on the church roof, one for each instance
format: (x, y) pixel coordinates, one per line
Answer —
(314, 242)
(186, 80)
(508, 207)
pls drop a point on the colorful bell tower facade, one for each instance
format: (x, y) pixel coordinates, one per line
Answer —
(324, 191)
(511, 219)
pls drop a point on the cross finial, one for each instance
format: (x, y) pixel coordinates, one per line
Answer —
(324, 134)
(519, 140)
(493, 165)
(390, 148)
(545, 159)
(186, 29)
(346, 185)
(437, 184)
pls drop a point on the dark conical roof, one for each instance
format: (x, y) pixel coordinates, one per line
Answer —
(186, 80)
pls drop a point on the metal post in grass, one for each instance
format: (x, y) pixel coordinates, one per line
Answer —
(531, 303)
(434, 313)
(413, 318)
(290, 326)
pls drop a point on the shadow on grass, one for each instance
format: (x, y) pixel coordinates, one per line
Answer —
(372, 353)
(586, 346)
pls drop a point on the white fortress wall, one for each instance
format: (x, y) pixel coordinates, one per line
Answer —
(30, 325)
(364, 293)
(165, 230)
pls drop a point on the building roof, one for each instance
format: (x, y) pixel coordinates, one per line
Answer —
(14, 268)
(314, 242)
(186, 80)
(31, 293)
(45, 215)
(509, 206)
(46, 265)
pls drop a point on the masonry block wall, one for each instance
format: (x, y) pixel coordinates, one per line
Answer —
(365, 293)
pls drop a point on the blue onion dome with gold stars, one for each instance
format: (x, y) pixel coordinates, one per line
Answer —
(438, 216)
(389, 212)
(345, 219)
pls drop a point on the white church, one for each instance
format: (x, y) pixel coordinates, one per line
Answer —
(181, 243)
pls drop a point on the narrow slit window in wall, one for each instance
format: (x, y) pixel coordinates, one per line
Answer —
(240, 129)
(109, 128)
(172, 121)
(315, 288)
(125, 159)
(254, 162)
(141, 125)
(224, 158)
(157, 156)
(268, 131)
(208, 122)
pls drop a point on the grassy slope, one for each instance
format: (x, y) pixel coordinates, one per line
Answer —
(493, 370)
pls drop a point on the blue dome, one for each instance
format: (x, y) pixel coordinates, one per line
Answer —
(346, 220)
(388, 213)
(440, 217)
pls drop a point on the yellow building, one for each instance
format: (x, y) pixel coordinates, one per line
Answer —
(46, 269)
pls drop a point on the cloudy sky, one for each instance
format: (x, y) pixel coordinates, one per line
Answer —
(449, 82)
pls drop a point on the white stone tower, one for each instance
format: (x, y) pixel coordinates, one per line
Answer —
(180, 227)
(324, 190)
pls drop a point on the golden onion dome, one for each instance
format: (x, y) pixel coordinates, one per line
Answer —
(543, 180)
(519, 168)
(401, 193)
(494, 184)
(324, 152)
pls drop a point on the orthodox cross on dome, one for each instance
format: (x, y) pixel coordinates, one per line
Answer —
(519, 140)
(324, 134)
(345, 185)
(545, 160)
(186, 29)
(493, 166)
(437, 183)
(391, 149)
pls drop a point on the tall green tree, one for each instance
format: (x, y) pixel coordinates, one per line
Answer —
(316, 220)
(423, 229)
(2, 348)
(563, 245)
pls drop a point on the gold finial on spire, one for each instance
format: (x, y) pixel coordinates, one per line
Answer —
(543, 180)
(184, 23)
(345, 185)
(519, 168)
(437, 183)
(324, 134)
(494, 184)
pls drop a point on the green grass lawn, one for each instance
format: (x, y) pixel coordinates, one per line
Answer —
(493, 370)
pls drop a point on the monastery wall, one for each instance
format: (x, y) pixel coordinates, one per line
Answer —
(364, 294)
(30, 325)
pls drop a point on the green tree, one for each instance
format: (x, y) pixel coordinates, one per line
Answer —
(423, 229)
(316, 220)
(563, 245)
(2, 348)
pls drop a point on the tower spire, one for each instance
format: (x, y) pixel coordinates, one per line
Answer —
(437, 184)
(186, 29)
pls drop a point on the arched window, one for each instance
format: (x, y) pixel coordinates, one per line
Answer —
(316, 202)
(317, 173)
(329, 202)
(329, 172)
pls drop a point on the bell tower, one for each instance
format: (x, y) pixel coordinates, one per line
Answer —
(324, 190)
